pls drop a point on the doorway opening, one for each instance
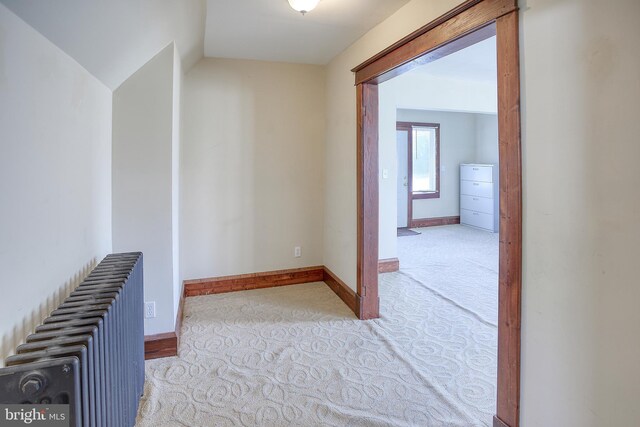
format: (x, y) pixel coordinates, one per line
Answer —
(440, 120)
(472, 21)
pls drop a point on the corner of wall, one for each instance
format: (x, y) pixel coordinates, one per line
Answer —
(145, 142)
(178, 78)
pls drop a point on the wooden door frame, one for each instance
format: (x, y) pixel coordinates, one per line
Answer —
(470, 22)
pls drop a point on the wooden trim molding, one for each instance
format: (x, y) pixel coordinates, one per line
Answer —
(388, 265)
(367, 196)
(244, 282)
(440, 52)
(434, 222)
(346, 294)
(271, 279)
(497, 422)
(160, 345)
(166, 344)
(472, 21)
(510, 249)
(449, 27)
(417, 33)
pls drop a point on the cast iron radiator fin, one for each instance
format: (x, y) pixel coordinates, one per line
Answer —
(89, 353)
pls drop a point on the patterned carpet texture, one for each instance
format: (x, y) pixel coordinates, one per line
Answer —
(297, 356)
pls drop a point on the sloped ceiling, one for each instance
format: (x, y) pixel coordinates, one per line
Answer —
(114, 38)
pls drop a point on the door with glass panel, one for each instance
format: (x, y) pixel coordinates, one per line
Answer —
(418, 150)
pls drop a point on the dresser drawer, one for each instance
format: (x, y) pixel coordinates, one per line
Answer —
(476, 173)
(475, 188)
(478, 204)
(476, 219)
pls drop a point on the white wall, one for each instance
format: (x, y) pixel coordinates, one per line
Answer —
(581, 322)
(112, 39)
(143, 172)
(252, 167)
(387, 161)
(487, 139)
(418, 91)
(340, 246)
(55, 177)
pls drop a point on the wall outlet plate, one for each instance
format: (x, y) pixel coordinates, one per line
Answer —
(150, 310)
(297, 252)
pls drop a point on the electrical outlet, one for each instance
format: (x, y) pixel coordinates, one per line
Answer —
(297, 252)
(150, 310)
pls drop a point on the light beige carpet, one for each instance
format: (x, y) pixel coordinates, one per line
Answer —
(296, 356)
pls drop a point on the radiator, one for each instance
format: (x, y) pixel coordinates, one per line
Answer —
(89, 353)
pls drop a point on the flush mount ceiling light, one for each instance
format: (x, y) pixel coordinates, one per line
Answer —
(303, 6)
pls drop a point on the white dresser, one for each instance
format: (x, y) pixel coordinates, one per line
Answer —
(479, 196)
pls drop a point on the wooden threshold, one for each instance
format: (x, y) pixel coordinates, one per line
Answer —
(388, 265)
(434, 222)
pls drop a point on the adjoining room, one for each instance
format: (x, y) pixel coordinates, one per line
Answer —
(439, 140)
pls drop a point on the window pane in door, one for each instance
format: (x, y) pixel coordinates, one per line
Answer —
(424, 159)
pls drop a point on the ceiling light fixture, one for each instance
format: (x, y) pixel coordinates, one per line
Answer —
(303, 6)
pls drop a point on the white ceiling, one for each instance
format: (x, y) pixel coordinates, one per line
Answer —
(477, 63)
(271, 30)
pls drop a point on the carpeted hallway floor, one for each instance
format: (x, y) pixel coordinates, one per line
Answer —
(296, 355)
